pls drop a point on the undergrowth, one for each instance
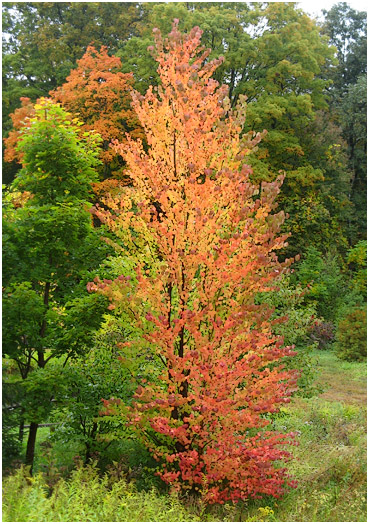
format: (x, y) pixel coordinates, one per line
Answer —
(329, 465)
(86, 496)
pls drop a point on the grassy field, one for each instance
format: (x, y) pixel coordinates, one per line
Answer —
(330, 461)
(329, 466)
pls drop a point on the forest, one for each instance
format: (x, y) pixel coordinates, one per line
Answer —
(184, 262)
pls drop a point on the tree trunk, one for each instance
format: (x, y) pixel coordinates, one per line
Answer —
(21, 429)
(88, 443)
(30, 452)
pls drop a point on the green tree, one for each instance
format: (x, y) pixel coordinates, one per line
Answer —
(291, 94)
(347, 31)
(322, 275)
(49, 243)
(353, 117)
(90, 378)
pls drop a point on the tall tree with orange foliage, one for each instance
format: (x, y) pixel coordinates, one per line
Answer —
(99, 94)
(204, 239)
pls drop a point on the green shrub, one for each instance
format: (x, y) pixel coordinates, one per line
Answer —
(322, 275)
(350, 299)
(129, 457)
(299, 318)
(351, 336)
(357, 262)
(307, 364)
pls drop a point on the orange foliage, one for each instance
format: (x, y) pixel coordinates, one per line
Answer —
(20, 119)
(111, 187)
(207, 238)
(99, 94)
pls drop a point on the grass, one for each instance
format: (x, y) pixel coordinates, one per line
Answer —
(342, 381)
(329, 463)
(329, 466)
(331, 458)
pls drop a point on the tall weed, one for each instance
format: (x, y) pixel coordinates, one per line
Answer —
(86, 497)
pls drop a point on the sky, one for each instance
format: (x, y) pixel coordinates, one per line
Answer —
(314, 8)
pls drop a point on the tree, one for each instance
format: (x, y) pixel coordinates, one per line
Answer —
(323, 276)
(210, 240)
(268, 48)
(291, 95)
(276, 56)
(43, 258)
(100, 94)
(99, 374)
(346, 29)
(46, 40)
(224, 32)
(20, 119)
(353, 117)
(96, 372)
(42, 42)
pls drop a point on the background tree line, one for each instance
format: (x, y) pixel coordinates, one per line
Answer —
(299, 87)
(305, 84)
